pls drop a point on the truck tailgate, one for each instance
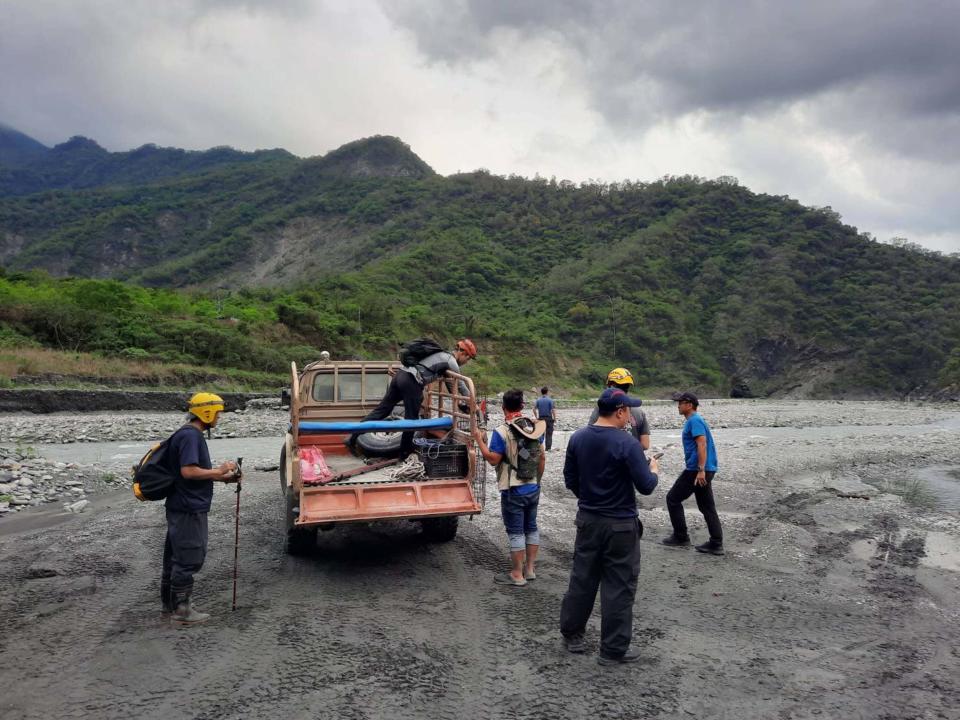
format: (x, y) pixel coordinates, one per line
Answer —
(383, 501)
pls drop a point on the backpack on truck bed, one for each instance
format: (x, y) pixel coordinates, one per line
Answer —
(416, 350)
(154, 475)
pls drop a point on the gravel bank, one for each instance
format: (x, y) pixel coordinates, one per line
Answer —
(839, 595)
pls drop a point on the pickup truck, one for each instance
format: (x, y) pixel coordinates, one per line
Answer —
(327, 400)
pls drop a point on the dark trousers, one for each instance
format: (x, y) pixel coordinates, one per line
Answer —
(682, 489)
(403, 388)
(548, 436)
(606, 555)
(184, 551)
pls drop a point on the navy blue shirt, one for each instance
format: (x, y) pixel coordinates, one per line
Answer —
(187, 447)
(603, 467)
(544, 407)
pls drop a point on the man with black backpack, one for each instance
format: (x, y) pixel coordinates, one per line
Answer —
(516, 450)
(187, 505)
(423, 362)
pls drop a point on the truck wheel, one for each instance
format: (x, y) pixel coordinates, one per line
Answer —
(300, 541)
(442, 529)
(382, 444)
(283, 469)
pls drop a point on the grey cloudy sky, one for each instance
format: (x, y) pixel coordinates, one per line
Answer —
(852, 103)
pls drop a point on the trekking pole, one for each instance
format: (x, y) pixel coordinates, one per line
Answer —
(236, 536)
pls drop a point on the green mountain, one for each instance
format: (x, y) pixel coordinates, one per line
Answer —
(688, 282)
(17, 149)
(28, 167)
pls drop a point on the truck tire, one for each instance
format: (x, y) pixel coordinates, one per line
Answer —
(299, 541)
(382, 444)
(441, 529)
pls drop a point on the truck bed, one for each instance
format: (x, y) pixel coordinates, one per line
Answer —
(342, 463)
(374, 496)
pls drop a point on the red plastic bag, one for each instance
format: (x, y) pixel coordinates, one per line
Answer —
(313, 468)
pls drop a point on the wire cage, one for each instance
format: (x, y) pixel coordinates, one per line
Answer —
(442, 460)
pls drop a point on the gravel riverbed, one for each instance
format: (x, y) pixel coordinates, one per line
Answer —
(839, 595)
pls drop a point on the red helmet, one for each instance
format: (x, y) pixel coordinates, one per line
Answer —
(466, 345)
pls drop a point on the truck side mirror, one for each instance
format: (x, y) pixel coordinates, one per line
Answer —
(285, 397)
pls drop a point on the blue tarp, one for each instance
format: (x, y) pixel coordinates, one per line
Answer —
(441, 423)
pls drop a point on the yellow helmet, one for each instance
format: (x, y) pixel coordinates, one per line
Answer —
(620, 376)
(205, 406)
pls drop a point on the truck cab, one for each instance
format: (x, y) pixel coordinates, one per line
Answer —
(328, 395)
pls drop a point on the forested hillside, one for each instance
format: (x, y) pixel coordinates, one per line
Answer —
(688, 282)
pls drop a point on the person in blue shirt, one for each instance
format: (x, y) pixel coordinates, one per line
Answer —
(519, 495)
(604, 467)
(700, 465)
(545, 409)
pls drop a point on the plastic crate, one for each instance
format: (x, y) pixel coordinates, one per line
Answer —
(443, 461)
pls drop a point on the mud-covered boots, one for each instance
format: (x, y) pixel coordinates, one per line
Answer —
(185, 613)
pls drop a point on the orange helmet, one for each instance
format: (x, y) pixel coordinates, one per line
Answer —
(466, 345)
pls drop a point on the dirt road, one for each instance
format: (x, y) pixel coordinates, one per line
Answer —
(830, 603)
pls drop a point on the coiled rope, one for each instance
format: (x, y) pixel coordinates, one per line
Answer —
(410, 469)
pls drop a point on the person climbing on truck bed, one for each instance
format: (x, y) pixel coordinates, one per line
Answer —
(407, 384)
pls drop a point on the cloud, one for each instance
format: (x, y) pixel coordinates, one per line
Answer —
(854, 104)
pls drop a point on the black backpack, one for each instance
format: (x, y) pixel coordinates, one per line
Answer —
(414, 351)
(154, 475)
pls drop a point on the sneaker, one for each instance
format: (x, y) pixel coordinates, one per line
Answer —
(630, 656)
(674, 541)
(574, 643)
(711, 548)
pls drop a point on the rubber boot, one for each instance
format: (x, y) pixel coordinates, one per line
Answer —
(166, 598)
(185, 613)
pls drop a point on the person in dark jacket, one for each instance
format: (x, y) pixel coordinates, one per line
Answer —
(407, 385)
(187, 505)
(604, 467)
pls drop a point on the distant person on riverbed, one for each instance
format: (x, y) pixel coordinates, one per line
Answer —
(545, 409)
(621, 379)
(700, 458)
(187, 505)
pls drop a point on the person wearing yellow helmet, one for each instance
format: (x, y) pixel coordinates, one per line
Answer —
(187, 505)
(621, 379)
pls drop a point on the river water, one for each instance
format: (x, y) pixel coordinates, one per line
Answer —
(941, 480)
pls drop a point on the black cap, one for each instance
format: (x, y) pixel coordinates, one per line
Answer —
(688, 397)
(613, 398)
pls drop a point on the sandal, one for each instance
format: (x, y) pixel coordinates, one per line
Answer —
(508, 580)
